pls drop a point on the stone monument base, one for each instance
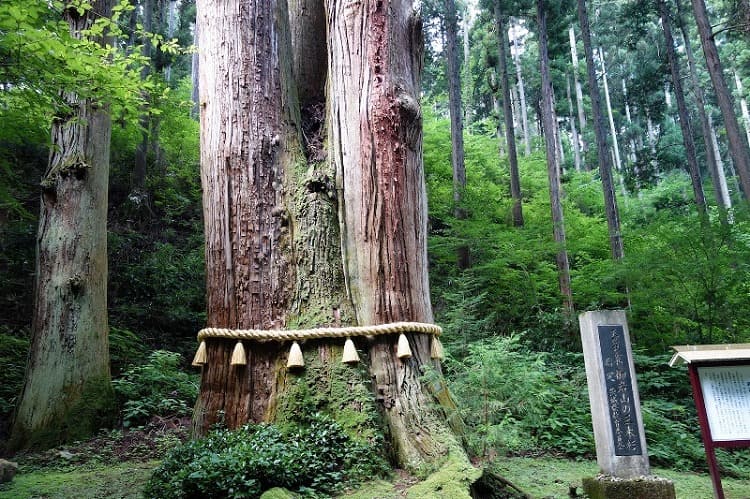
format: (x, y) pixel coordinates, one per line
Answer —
(645, 487)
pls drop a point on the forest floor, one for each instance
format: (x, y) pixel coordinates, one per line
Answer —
(540, 477)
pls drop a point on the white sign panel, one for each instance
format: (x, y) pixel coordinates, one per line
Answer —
(726, 394)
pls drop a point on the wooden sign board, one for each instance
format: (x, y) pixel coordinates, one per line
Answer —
(720, 377)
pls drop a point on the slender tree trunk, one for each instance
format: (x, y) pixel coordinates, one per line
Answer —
(579, 90)
(172, 20)
(685, 125)
(67, 392)
(605, 166)
(612, 128)
(515, 51)
(721, 178)
(466, 79)
(629, 118)
(743, 105)
(738, 148)
(510, 139)
(575, 140)
(194, 72)
(553, 164)
(457, 126)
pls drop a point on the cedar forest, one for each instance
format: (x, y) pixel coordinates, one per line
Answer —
(575, 155)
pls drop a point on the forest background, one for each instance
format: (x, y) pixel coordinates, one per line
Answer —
(514, 361)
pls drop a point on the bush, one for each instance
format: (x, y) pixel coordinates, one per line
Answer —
(315, 459)
(157, 388)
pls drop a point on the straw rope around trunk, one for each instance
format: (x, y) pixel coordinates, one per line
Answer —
(295, 356)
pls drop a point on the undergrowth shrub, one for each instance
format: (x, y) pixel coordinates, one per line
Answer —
(317, 459)
(157, 388)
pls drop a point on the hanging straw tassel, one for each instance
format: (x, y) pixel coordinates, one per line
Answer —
(200, 356)
(238, 355)
(295, 357)
(350, 353)
(403, 352)
(436, 352)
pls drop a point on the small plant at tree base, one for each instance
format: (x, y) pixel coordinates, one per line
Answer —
(156, 388)
(315, 459)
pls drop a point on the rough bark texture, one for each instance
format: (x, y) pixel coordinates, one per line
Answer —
(249, 143)
(738, 148)
(510, 138)
(605, 164)
(296, 241)
(375, 140)
(685, 124)
(553, 161)
(67, 392)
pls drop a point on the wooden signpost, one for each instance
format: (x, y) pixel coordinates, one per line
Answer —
(720, 377)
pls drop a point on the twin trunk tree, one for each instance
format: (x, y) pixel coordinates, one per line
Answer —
(315, 214)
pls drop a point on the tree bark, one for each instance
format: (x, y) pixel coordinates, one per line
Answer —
(738, 148)
(294, 240)
(579, 90)
(685, 125)
(67, 392)
(605, 165)
(743, 105)
(515, 180)
(521, 95)
(457, 127)
(612, 128)
(553, 163)
(575, 140)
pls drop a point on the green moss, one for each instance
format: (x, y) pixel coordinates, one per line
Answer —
(278, 493)
(377, 489)
(452, 480)
(94, 409)
(339, 390)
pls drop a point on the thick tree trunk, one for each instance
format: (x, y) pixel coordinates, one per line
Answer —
(553, 163)
(685, 125)
(67, 392)
(457, 125)
(605, 165)
(515, 180)
(738, 147)
(293, 241)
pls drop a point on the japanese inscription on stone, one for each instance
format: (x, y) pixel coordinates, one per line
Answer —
(726, 394)
(620, 400)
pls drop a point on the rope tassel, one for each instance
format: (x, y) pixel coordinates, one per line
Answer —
(436, 351)
(295, 357)
(404, 351)
(200, 356)
(239, 358)
(350, 353)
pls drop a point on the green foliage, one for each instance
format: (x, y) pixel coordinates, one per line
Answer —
(156, 388)
(13, 353)
(516, 400)
(316, 459)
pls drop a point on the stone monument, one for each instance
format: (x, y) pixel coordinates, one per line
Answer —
(616, 412)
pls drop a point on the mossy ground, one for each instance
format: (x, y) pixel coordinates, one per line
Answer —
(539, 477)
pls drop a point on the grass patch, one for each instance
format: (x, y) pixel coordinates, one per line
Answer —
(122, 481)
(553, 478)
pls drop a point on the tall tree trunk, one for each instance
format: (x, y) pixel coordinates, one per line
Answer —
(510, 139)
(605, 165)
(466, 79)
(575, 140)
(457, 125)
(194, 72)
(743, 105)
(685, 125)
(172, 20)
(295, 241)
(67, 392)
(553, 164)
(629, 117)
(515, 51)
(612, 128)
(713, 158)
(721, 178)
(738, 147)
(579, 90)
